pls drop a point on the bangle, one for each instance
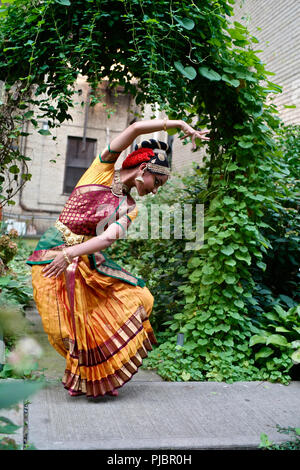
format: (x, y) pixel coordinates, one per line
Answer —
(66, 256)
(165, 124)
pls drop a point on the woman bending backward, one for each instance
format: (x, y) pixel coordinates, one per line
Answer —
(96, 314)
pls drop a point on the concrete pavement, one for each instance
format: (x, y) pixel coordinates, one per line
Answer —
(150, 413)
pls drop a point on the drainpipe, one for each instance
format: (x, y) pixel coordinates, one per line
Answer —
(86, 117)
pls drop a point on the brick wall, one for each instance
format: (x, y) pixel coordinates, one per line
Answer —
(278, 37)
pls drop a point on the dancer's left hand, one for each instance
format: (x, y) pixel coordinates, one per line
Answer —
(189, 131)
(56, 267)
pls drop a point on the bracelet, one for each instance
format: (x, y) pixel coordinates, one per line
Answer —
(66, 256)
(165, 124)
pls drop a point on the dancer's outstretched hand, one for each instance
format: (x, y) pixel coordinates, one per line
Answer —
(189, 131)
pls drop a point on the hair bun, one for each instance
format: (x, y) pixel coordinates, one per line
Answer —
(152, 144)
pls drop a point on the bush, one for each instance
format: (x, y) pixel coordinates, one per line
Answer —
(15, 295)
(279, 282)
(15, 282)
(8, 247)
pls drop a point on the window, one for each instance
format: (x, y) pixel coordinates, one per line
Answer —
(79, 158)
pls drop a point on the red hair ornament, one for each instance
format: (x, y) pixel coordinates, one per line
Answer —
(138, 156)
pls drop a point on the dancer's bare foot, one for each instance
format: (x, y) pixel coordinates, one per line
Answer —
(73, 393)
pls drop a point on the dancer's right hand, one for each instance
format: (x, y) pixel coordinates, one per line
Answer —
(56, 267)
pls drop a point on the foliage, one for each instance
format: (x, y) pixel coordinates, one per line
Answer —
(15, 291)
(280, 281)
(183, 55)
(221, 347)
(15, 285)
(12, 393)
(279, 333)
(13, 324)
(293, 444)
(8, 248)
(15, 295)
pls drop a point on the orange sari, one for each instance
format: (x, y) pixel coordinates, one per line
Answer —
(96, 314)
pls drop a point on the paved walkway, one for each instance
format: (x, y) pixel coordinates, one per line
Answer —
(150, 413)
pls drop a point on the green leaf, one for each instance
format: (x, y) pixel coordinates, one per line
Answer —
(288, 300)
(186, 23)
(264, 441)
(282, 313)
(256, 339)
(278, 340)
(28, 115)
(204, 316)
(14, 169)
(240, 26)
(188, 72)
(236, 34)
(190, 299)
(261, 265)
(231, 81)
(172, 131)
(242, 257)
(281, 329)
(8, 427)
(296, 356)
(227, 250)
(66, 3)
(208, 269)
(232, 167)
(194, 262)
(230, 262)
(14, 392)
(185, 376)
(264, 352)
(196, 274)
(209, 73)
(230, 279)
(245, 145)
(44, 132)
(228, 200)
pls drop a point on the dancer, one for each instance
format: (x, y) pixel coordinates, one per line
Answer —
(96, 314)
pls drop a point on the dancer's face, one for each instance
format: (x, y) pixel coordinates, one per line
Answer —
(152, 181)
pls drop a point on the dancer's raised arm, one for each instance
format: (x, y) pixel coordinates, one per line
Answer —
(122, 141)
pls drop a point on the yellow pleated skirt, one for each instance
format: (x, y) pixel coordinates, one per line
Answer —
(104, 332)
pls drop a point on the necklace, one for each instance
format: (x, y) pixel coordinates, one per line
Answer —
(118, 188)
